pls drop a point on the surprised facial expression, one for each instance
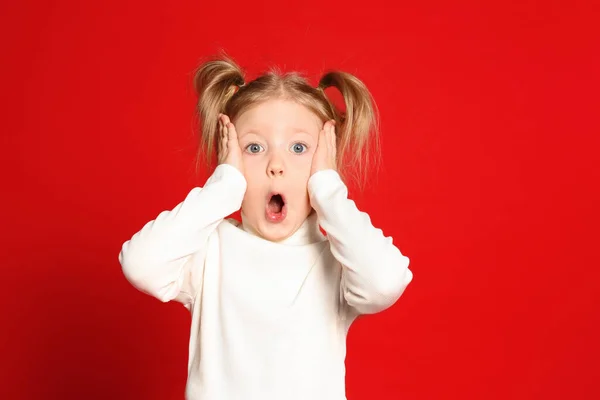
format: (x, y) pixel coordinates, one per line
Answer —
(278, 139)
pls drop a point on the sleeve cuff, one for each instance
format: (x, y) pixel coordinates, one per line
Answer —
(230, 174)
(323, 180)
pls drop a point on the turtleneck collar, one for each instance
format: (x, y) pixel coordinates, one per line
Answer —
(307, 233)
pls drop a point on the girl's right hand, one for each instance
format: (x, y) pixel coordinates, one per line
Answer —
(229, 149)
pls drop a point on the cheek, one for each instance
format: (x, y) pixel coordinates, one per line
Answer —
(253, 170)
(300, 165)
(254, 182)
(299, 170)
(253, 193)
(253, 201)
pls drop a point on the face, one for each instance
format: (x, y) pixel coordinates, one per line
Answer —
(278, 139)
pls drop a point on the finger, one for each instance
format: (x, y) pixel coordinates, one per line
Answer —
(327, 128)
(319, 146)
(225, 131)
(322, 142)
(220, 119)
(226, 122)
(332, 137)
(219, 131)
(328, 137)
(332, 143)
(222, 141)
(222, 124)
(223, 134)
(232, 133)
(223, 150)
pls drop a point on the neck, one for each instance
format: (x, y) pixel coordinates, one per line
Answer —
(307, 233)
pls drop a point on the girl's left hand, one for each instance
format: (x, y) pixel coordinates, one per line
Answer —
(325, 154)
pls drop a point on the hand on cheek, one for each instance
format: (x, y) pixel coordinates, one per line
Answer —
(325, 154)
(229, 148)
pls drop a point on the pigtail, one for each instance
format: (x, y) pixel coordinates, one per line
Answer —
(357, 127)
(215, 82)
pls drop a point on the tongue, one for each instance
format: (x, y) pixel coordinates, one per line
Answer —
(275, 205)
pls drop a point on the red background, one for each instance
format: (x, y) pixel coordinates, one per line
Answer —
(490, 185)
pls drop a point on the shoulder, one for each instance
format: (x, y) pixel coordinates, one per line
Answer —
(230, 222)
(226, 228)
(230, 229)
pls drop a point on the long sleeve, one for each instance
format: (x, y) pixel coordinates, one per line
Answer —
(374, 271)
(164, 259)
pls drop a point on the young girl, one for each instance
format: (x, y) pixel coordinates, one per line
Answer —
(271, 297)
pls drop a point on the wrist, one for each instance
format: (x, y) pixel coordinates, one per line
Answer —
(324, 180)
(234, 165)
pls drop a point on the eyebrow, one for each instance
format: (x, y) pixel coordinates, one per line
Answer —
(247, 133)
(301, 132)
(256, 132)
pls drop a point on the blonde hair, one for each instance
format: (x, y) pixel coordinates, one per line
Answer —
(221, 88)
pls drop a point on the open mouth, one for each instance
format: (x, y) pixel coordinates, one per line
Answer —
(276, 209)
(276, 203)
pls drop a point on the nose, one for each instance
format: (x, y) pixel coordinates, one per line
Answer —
(275, 167)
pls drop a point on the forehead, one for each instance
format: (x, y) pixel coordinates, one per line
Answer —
(278, 116)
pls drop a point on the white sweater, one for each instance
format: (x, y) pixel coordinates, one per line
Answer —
(269, 320)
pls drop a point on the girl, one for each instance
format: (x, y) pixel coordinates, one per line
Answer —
(271, 297)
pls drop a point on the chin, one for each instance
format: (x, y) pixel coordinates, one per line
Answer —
(277, 232)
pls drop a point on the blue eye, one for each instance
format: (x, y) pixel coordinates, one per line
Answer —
(254, 148)
(299, 148)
